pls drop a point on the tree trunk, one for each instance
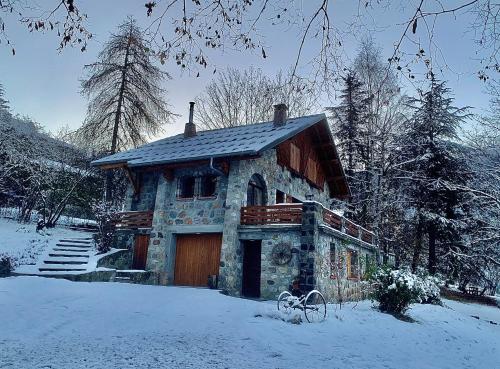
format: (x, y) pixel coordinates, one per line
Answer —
(114, 139)
(432, 249)
(418, 246)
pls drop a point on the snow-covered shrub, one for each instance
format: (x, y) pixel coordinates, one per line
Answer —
(6, 265)
(429, 289)
(395, 290)
(106, 216)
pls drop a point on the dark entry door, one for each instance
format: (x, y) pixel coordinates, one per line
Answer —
(251, 268)
(140, 251)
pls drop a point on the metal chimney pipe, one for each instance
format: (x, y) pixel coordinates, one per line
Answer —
(191, 111)
(190, 128)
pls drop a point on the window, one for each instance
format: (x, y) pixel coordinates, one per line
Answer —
(185, 188)
(280, 197)
(256, 191)
(352, 264)
(208, 185)
(294, 157)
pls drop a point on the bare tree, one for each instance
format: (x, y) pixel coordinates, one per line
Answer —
(237, 97)
(61, 16)
(124, 87)
(186, 31)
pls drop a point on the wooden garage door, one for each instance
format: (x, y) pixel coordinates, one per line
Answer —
(197, 256)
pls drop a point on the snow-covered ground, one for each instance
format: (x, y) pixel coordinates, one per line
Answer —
(30, 250)
(21, 242)
(51, 323)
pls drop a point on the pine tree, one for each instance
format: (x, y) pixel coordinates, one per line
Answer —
(437, 172)
(124, 87)
(348, 117)
(4, 104)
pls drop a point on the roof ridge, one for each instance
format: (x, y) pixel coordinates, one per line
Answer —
(254, 124)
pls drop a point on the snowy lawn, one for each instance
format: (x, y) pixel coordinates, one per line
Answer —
(51, 323)
(21, 242)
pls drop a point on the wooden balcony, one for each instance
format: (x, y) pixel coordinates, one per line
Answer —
(273, 214)
(346, 226)
(134, 219)
(292, 214)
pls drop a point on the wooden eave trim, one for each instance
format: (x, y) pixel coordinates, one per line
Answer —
(224, 161)
(112, 166)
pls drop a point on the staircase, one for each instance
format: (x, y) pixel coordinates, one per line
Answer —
(68, 255)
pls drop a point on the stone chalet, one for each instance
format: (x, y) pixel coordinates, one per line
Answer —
(246, 209)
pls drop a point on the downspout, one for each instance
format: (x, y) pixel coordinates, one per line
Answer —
(217, 171)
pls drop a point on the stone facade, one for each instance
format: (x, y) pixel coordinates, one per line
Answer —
(309, 241)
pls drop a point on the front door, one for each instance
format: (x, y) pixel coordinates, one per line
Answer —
(251, 268)
(140, 251)
(197, 256)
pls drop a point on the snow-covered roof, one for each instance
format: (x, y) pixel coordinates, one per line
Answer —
(234, 141)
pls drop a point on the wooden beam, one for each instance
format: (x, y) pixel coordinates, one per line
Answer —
(194, 163)
(113, 166)
(132, 180)
(168, 174)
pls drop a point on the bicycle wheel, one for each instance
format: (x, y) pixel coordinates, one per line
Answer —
(315, 307)
(283, 303)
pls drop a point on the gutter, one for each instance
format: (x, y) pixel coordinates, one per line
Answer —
(217, 171)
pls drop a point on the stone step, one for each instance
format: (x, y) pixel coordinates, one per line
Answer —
(76, 241)
(65, 262)
(74, 245)
(61, 270)
(70, 250)
(84, 229)
(122, 279)
(68, 256)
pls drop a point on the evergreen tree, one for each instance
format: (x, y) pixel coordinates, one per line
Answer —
(4, 104)
(437, 172)
(348, 117)
(124, 87)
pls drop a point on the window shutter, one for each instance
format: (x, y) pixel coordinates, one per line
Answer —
(294, 157)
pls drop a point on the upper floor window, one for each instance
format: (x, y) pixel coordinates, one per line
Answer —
(280, 197)
(208, 185)
(186, 186)
(256, 191)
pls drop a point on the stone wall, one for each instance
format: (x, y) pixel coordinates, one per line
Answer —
(173, 215)
(197, 211)
(349, 289)
(276, 178)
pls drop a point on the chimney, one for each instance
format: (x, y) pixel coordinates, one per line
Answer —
(280, 115)
(190, 129)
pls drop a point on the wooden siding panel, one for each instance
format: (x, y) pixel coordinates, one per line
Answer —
(300, 155)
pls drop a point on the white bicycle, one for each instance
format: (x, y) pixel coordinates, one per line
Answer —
(313, 305)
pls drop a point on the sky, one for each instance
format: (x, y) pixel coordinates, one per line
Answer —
(43, 83)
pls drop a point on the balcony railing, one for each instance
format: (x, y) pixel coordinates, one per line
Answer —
(273, 214)
(134, 219)
(346, 226)
(292, 214)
